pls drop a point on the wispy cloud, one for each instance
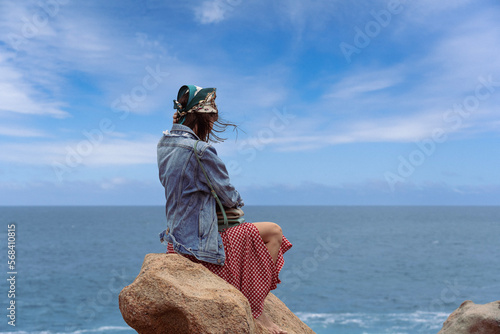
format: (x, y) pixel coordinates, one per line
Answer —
(20, 132)
(111, 191)
(19, 96)
(113, 183)
(366, 81)
(66, 77)
(210, 12)
(421, 10)
(213, 11)
(75, 48)
(299, 137)
(408, 101)
(112, 152)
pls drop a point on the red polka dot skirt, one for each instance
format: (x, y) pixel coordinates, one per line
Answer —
(248, 267)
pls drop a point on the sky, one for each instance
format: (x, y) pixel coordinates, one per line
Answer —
(337, 102)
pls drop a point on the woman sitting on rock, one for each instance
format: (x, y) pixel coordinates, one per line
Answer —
(250, 255)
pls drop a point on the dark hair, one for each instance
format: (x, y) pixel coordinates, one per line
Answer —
(202, 123)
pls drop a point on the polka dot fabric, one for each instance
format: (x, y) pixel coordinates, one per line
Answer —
(249, 267)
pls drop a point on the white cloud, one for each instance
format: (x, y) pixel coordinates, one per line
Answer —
(423, 8)
(212, 11)
(76, 154)
(299, 137)
(14, 99)
(371, 104)
(19, 96)
(76, 48)
(406, 102)
(113, 183)
(20, 132)
(366, 81)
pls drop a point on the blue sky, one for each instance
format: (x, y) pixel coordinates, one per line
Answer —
(338, 102)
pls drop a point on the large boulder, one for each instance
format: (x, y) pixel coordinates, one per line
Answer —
(472, 318)
(171, 294)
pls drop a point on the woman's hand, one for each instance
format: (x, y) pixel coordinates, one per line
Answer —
(175, 117)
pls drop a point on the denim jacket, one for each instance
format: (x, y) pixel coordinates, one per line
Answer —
(190, 206)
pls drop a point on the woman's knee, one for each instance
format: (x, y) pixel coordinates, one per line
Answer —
(278, 232)
(270, 231)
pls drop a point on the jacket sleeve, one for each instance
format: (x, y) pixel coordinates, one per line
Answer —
(219, 178)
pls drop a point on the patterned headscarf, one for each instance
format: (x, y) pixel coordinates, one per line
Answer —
(201, 100)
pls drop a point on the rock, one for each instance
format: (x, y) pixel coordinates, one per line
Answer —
(283, 317)
(472, 318)
(171, 294)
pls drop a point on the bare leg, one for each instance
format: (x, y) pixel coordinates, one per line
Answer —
(272, 236)
(266, 322)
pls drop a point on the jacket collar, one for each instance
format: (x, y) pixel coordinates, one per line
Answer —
(183, 128)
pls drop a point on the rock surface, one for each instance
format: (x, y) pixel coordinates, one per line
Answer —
(171, 294)
(472, 318)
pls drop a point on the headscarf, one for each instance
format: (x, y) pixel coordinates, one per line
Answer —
(200, 100)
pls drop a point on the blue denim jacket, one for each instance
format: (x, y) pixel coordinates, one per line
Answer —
(190, 206)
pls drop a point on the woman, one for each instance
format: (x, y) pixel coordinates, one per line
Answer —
(248, 256)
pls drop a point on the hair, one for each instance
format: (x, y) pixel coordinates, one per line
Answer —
(202, 121)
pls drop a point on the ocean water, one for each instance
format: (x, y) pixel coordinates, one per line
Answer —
(351, 269)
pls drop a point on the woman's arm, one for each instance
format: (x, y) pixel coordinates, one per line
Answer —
(219, 178)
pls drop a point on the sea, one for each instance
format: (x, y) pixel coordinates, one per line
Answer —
(352, 269)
